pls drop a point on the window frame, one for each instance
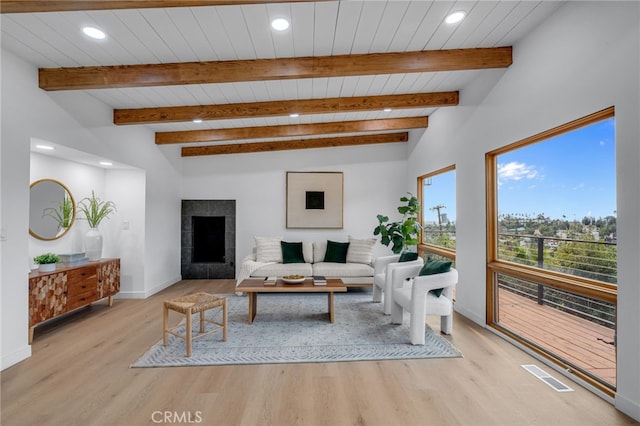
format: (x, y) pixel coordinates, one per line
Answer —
(579, 285)
(422, 246)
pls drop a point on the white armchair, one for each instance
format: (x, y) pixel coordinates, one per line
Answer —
(414, 296)
(382, 267)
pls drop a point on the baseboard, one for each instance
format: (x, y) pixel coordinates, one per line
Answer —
(130, 295)
(151, 292)
(162, 286)
(627, 406)
(480, 320)
(15, 357)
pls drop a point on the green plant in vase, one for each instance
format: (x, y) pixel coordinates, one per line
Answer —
(94, 211)
(46, 262)
(402, 234)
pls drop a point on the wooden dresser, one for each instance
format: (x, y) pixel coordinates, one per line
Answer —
(55, 293)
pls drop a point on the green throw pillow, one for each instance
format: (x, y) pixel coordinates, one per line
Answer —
(292, 252)
(336, 252)
(432, 267)
(408, 256)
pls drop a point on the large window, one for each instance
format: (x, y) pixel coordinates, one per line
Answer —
(438, 201)
(552, 245)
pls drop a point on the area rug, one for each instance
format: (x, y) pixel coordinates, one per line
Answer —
(295, 328)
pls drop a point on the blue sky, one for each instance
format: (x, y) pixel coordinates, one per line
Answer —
(570, 175)
(441, 192)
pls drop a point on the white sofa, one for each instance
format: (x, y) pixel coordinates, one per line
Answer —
(357, 271)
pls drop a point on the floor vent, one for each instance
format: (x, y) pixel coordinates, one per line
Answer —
(556, 384)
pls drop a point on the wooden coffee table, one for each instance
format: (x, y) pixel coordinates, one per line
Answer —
(254, 286)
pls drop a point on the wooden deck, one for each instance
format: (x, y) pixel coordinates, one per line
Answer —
(577, 340)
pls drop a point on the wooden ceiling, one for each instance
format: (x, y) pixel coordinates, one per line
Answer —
(342, 63)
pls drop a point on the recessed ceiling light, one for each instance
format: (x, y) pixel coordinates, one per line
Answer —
(455, 17)
(197, 120)
(106, 163)
(294, 115)
(46, 147)
(387, 110)
(94, 32)
(279, 24)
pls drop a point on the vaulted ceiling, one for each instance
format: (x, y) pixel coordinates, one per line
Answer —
(352, 72)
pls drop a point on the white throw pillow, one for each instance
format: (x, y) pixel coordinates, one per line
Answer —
(360, 250)
(319, 250)
(307, 252)
(268, 249)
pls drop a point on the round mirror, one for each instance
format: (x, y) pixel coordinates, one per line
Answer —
(52, 209)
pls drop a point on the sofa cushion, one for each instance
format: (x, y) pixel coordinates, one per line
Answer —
(268, 249)
(330, 269)
(360, 250)
(432, 267)
(408, 256)
(307, 251)
(336, 252)
(280, 269)
(319, 249)
(292, 252)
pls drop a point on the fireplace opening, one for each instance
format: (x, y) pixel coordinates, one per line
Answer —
(208, 239)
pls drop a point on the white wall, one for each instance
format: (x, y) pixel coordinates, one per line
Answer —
(149, 196)
(374, 179)
(583, 59)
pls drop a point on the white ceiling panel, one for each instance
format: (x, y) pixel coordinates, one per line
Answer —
(258, 25)
(233, 21)
(429, 25)
(122, 42)
(211, 26)
(324, 26)
(17, 39)
(406, 30)
(346, 26)
(302, 28)
(367, 26)
(390, 22)
(283, 41)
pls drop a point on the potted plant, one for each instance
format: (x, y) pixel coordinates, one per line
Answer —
(94, 211)
(47, 262)
(404, 233)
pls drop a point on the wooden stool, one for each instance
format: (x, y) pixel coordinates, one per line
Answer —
(189, 305)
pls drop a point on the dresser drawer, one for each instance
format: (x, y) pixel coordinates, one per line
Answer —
(80, 287)
(81, 299)
(84, 274)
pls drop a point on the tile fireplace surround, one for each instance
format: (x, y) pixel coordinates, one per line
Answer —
(203, 269)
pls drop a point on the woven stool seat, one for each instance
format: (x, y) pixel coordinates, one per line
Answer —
(197, 303)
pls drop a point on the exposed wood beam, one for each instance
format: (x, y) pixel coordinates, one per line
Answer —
(214, 135)
(26, 6)
(243, 148)
(118, 76)
(283, 108)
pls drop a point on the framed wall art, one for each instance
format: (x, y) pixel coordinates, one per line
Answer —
(314, 199)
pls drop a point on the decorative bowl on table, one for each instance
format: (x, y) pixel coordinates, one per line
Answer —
(293, 279)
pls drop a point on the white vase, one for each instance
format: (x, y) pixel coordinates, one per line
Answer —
(47, 267)
(93, 244)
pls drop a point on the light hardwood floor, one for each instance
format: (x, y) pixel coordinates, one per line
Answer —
(79, 375)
